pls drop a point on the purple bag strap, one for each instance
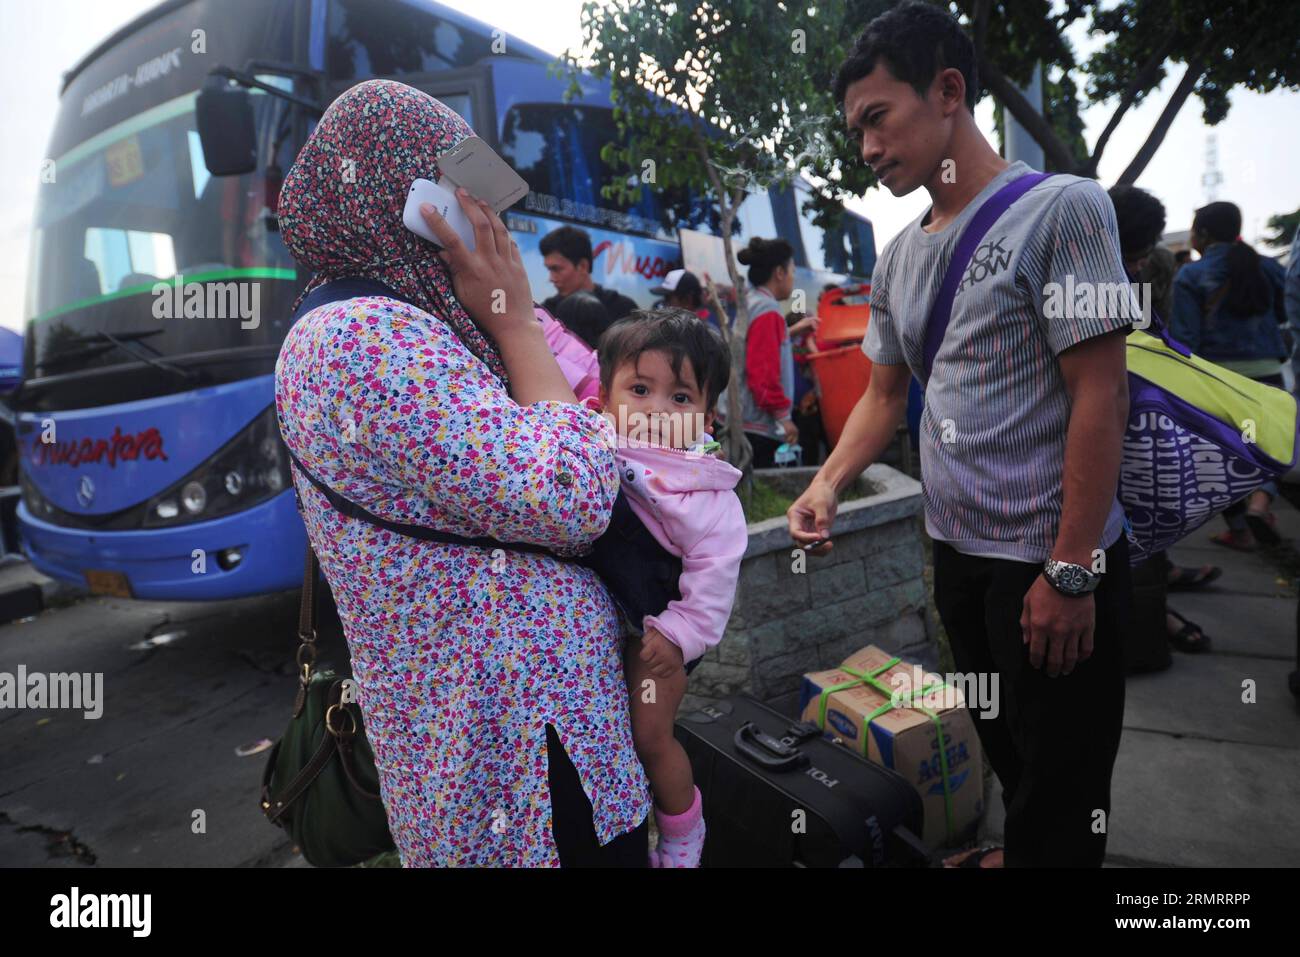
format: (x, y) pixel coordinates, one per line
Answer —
(981, 223)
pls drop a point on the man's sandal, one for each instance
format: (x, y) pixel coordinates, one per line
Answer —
(1264, 527)
(975, 858)
(1184, 641)
(1186, 579)
(1236, 541)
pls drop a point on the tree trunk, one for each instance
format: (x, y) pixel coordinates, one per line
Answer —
(1195, 69)
(1141, 80)
(736, 447)
(1030, 118)
(739, 452)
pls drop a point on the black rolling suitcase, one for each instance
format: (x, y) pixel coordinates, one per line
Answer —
(756, 768)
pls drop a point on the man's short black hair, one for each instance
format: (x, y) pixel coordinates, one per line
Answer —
(916, 41)
(1140, 217)
(680, 334)
(572, 243)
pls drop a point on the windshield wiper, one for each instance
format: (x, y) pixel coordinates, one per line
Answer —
(101, 341)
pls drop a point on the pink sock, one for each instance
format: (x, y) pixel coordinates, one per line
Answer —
(681, 836)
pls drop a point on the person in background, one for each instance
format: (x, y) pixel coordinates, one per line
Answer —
(568, 257)
(1141, 221)
(1182, 258)
(1228, 308)
(1292, 303)
(806, 411)
(768, 377)
(681, 289)
(1158, 270)
(584, 315)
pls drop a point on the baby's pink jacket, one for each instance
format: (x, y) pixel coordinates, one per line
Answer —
(687, 501)
(579, 364)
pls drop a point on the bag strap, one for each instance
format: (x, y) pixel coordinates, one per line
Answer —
(353, 510)
(337, 290)
(941, 312)
(350, 288)
(306, 656)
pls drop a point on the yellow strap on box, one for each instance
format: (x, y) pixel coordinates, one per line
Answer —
(868, 678)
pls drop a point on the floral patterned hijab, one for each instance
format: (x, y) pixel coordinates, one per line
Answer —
(341, 204)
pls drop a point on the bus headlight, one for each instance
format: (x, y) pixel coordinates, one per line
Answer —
(250, 468)
(37, 503)
(194, 497)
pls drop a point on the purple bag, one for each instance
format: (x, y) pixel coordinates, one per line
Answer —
(1199, 437)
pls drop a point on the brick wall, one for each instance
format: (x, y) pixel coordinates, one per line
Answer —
(868, 590)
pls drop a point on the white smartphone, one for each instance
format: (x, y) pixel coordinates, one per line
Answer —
(476, 168)
(445, 202)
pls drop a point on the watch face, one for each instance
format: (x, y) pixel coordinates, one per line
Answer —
(1073, 578)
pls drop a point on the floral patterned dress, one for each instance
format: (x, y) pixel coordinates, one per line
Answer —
(462, 655)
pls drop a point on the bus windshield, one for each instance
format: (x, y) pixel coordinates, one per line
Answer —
(134, 205)
(556, 148)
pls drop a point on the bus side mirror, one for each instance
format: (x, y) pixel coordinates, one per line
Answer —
(224, 115)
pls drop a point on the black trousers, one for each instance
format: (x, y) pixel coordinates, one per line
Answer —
(1054, 740)
(764, 449)
(571, 819)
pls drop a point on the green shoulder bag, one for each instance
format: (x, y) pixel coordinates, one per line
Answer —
(320, 782)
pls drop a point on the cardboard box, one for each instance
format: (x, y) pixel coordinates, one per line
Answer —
(884, 727)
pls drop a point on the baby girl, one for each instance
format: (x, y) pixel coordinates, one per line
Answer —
(672, 554)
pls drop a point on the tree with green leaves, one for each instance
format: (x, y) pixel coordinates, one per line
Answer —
(724, 98)
(1219, 45)
(1284, 226)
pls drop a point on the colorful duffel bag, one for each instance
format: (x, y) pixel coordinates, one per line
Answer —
(1199, 438)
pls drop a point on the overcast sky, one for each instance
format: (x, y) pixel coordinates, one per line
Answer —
(1258, 143)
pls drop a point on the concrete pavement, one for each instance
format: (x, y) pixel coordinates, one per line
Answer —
(1203, 778)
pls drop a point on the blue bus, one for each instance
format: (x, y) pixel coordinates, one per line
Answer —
(151, 464)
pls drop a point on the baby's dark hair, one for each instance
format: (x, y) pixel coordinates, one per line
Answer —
(680, 334)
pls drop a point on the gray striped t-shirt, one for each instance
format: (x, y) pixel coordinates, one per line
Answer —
(996, 407)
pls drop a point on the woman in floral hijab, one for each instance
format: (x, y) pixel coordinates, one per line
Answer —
(490, 681)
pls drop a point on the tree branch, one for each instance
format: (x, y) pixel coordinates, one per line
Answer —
(1030, 117)
(1142, 80)
(1195, 70)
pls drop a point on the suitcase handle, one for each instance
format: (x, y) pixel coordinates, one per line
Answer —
(766, 751)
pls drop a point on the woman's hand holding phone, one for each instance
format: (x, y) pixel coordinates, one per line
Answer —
(490, 281)
(491, 284)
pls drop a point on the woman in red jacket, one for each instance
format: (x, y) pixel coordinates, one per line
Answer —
(768, 376)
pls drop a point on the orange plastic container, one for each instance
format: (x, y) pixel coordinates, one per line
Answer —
(842, 375)
(844, 312)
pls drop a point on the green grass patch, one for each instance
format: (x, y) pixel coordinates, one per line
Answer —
(761, 500)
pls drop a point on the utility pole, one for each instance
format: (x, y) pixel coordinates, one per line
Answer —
(1211, 178)
(1020, 145)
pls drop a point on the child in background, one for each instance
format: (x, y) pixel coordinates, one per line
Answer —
(660, 375)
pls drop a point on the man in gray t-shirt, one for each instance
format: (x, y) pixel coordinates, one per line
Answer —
(1021, 435)
(996, 409)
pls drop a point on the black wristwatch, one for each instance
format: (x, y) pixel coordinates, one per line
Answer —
(1070, 579)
